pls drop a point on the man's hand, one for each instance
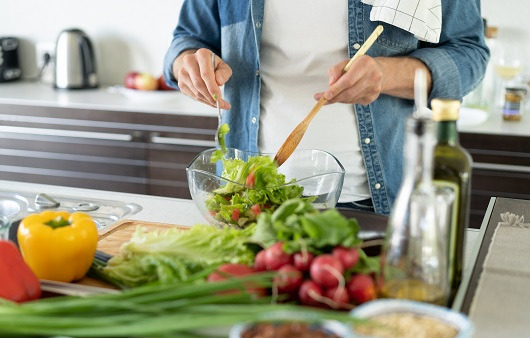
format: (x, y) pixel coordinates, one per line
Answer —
(197, 78)
(369, 77)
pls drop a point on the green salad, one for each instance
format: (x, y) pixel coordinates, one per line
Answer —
(255, 185)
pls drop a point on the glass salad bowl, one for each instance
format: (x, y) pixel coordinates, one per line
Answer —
(234, 190)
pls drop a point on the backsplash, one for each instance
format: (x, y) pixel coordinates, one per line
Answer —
(127, 34)
(134, 34)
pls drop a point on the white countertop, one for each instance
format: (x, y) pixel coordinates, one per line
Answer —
(104, 98)
(154, 208)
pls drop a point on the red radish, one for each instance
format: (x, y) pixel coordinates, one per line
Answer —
(302, 260)
(229, 270)
(327, 271)
(339, 295)
(347, 256)
(251, 179)
(235, 214)
(288, 279)
(361, 288)
(256, 210)
(259, 261)
(310, 293)
(275, 257)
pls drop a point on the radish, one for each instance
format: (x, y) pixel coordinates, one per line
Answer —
(361, 288)
(288, 279)
(275, 257)
(339, 295)
(347, 256)
(259, 261)
(327, 271)
(227, 271)
(310, 293)
(302, 260)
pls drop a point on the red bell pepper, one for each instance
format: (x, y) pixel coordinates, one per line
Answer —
(17, 282)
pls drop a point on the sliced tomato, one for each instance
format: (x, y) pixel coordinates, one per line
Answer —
(256, 210)
(235, 214)
(251, 180)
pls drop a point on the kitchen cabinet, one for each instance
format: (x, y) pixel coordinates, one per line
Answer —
(501, 168)
(136, 152)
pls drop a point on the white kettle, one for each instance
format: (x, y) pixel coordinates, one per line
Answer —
(75, 65)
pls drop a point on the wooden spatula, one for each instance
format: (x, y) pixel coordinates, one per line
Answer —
(292, 141)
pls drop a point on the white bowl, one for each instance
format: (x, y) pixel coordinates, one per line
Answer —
(445, 315)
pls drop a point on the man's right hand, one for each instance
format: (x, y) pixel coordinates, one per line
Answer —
(197, 78)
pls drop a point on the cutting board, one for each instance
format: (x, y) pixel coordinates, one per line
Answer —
(111, 239)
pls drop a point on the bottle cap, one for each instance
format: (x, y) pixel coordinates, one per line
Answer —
(491, 32)
(445, 109)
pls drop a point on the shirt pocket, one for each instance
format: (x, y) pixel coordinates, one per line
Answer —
(396, 41)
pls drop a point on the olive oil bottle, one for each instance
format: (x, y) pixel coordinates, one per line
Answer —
(452, 169)
(414, 255)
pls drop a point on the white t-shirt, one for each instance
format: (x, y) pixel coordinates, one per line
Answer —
(300, 41)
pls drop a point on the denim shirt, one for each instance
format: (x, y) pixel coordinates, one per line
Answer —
(232, 29)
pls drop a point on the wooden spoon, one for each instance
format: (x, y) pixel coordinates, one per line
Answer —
(292, 141)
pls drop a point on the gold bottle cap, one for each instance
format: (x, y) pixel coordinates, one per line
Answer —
(445, 109)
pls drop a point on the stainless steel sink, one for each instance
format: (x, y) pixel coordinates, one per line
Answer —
(16, 206)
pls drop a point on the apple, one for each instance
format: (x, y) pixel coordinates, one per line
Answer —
(162, 85)
(145, 81)
(130, 80)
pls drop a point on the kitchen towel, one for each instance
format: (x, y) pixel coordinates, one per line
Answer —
(423, 18)
(500, 304)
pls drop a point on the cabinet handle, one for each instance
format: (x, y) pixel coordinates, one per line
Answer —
(67, 133)
(501, 167)
(182, 141)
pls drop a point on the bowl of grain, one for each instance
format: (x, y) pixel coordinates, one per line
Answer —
(399, 318)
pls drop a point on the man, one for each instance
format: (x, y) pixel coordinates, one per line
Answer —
(276, 57)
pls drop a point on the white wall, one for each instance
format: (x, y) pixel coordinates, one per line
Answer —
(134, 34)
(127, 34)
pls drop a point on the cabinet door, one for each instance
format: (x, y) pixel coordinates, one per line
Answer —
(501, 168)
(67, 147)
(170, 152)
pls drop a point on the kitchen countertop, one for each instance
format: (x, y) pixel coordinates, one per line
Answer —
(104, 98)
(154, 208)
(158, 209)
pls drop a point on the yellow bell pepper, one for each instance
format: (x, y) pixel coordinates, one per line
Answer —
(58, 245)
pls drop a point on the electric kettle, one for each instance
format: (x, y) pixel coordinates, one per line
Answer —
(75, 65)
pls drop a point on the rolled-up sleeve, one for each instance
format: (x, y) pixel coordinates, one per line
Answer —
(458, 62)
(198, 27)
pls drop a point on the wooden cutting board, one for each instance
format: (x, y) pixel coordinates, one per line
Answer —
(111, 239)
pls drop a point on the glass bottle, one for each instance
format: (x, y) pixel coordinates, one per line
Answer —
(414, 256)
(452, 170)
(513, 103)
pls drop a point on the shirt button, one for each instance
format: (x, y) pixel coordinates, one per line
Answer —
(258, 25)
(254, 119)
(356, 46)
(257, 72)
(367, 140)
(377, 186)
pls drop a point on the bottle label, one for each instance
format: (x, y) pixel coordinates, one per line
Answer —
(448, 218)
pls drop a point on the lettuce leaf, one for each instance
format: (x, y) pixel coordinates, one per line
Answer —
(176, 255)
(297, 223)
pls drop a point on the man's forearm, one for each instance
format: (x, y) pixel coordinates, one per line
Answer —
(399, 72)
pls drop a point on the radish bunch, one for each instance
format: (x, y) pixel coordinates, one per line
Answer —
(319, 280)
